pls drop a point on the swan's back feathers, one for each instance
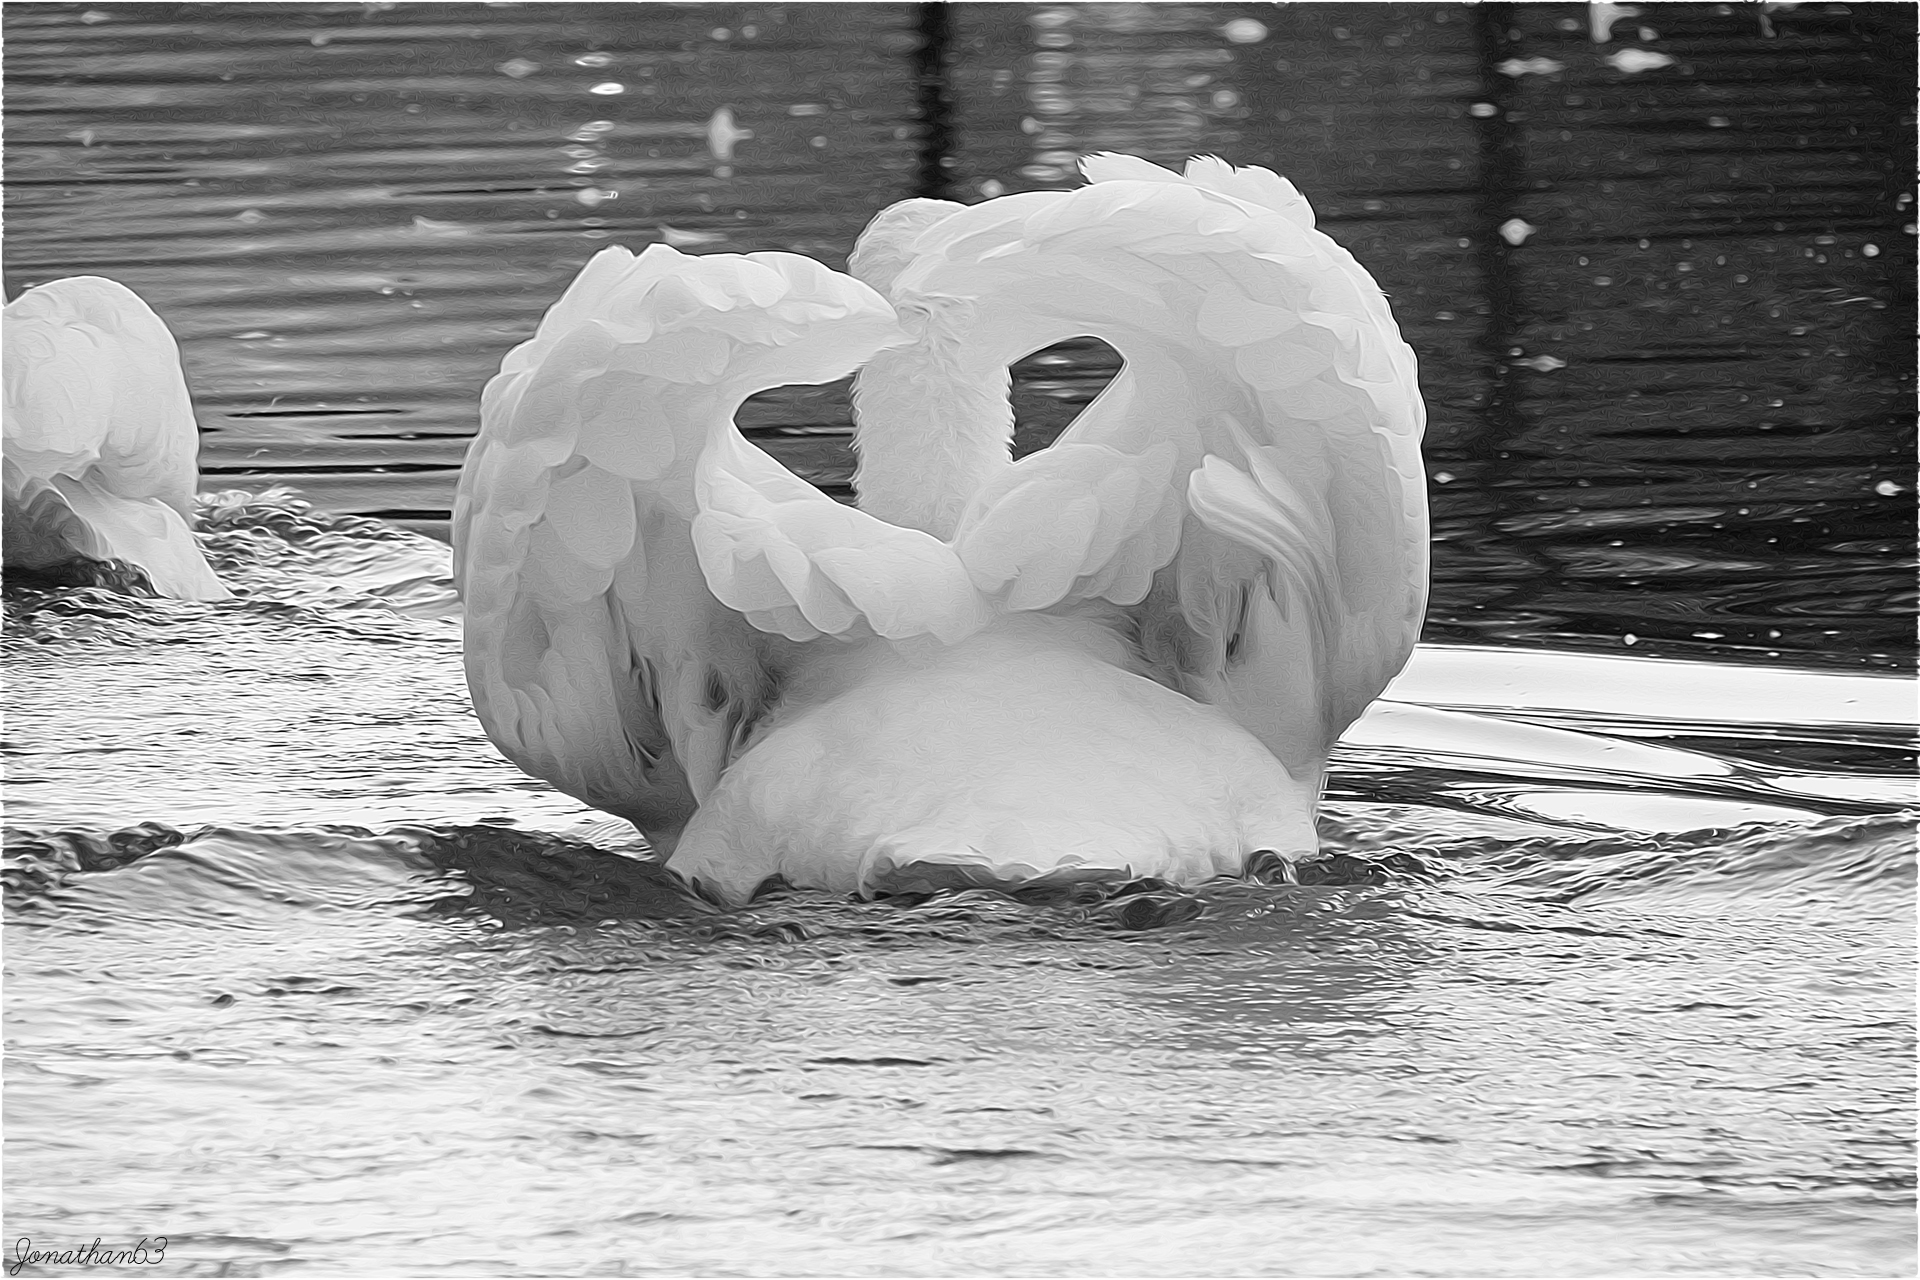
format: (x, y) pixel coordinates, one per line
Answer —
(101, 443)
(93, 381)
(634, 571)
(1263, 353)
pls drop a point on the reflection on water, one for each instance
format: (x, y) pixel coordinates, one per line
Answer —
(1663, 303)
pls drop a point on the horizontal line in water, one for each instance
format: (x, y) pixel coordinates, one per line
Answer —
(310, 413)
(385, 468)
(404, 513)
(1674, 357)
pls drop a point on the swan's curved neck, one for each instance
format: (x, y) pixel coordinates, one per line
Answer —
(932, 431)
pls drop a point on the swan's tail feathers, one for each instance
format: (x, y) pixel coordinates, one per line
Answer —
(97, 413)
(633, 571)
(1268, 359)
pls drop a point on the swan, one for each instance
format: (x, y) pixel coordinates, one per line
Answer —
(1125, 655)
(100, 437)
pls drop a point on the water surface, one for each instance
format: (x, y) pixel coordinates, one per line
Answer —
(1605, 973)
(1608, 970)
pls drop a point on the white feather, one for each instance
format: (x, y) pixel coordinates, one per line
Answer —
(1127, 654)
(100, 437)
(597, 653)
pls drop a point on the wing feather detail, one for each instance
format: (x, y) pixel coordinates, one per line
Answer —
(598, 653)
(1267, 359)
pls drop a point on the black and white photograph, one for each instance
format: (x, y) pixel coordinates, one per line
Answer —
(959, 639)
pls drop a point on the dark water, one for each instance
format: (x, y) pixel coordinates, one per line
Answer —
(1679, 409)
(1609, 971)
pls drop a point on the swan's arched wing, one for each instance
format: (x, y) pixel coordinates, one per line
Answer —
(101, 441)
(633, 571)
(801, 565)
(1252, 184)
(1267, 358)
(1078, 520)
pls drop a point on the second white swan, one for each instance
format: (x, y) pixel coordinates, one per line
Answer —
(100, 438)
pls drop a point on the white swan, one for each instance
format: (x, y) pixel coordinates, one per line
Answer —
(1125, 655)
(100, 452)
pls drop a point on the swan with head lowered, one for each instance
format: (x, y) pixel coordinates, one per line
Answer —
(1125, 655)
(100, 438)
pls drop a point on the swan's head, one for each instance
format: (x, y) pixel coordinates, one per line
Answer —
(885, 248)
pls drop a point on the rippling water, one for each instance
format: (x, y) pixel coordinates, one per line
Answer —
(1608, 970)
(1608, 973)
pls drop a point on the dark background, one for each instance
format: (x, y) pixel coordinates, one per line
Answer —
(1679, 409)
